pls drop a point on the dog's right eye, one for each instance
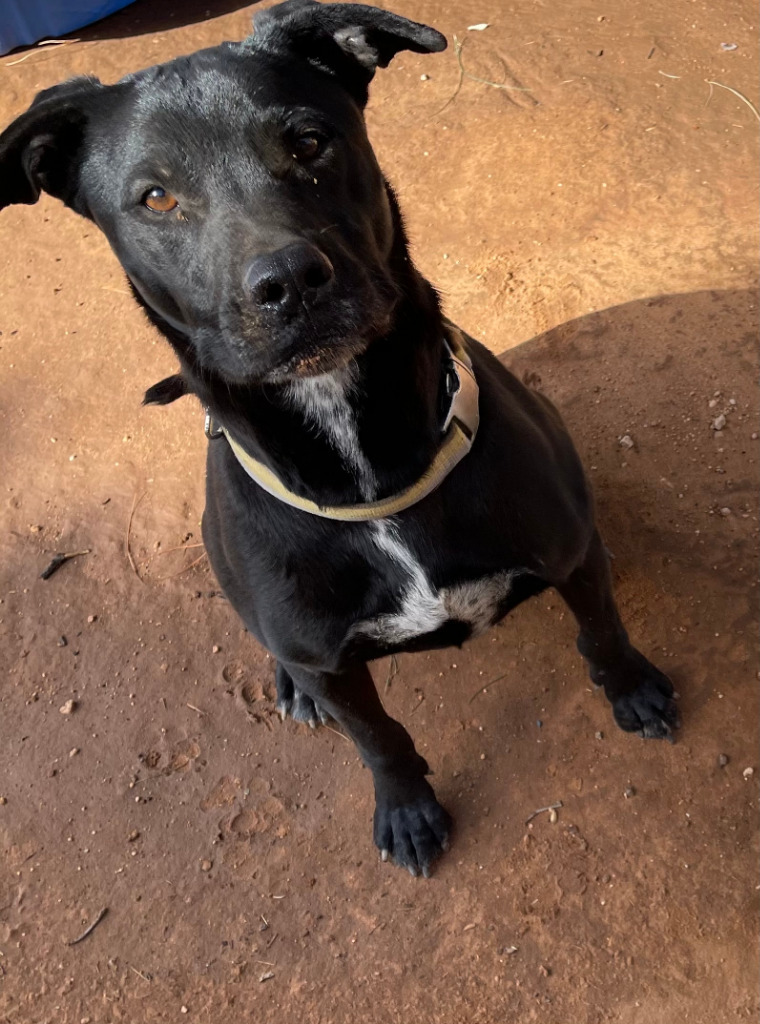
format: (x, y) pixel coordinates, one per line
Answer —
(160, 201)
(307, 145)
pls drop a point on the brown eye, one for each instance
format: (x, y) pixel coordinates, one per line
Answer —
(160, 201)
(307, 146)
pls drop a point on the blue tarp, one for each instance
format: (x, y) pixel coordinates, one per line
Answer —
(23, 22)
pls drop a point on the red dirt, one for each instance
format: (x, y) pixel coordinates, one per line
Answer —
(613, 223)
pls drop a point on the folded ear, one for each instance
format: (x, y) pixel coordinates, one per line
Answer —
(167, 390)
(348, 41)
(41, 149)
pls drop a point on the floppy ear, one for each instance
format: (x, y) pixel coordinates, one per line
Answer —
(167, 390)
(348, 41)
(40, 150)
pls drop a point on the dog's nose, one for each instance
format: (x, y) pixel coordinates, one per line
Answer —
(283, 280)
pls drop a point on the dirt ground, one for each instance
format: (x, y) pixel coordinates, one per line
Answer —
(601, 226)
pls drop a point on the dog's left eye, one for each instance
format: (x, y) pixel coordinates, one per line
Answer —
(306, 146)
(160, 201)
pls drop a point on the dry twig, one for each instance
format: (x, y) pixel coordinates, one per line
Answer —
(58, 560)
(135, 502)
(90, 929)
(486, 685)
(550, 807)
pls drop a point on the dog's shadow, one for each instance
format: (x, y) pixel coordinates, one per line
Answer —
(641, 387)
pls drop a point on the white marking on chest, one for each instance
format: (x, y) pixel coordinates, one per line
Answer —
(324, 403)
(423, 608)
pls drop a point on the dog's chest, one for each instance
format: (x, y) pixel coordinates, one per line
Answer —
(423, 608)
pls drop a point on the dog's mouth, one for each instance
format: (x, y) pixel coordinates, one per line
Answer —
(316, 362)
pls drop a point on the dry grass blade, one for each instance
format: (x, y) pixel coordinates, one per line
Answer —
(541, 810)
(392, 672)
(135, 502)
(739, 95)
(485, 686)
(172, 575)
(458, 47)
(464, 73)
(42, 42)
(179, 547)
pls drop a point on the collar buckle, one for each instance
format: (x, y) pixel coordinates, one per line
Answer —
(463, 389)
(210, 429)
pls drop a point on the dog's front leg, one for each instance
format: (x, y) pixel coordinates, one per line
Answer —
(641, 695)
(410, 825)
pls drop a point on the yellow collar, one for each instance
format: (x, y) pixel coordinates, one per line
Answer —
(459, 430)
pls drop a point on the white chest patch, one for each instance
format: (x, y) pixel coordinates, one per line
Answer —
(423, 608)
(323, 402)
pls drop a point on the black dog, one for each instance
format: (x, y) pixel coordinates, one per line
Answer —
(242, 197)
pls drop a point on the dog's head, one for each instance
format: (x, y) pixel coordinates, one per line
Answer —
(237, 187)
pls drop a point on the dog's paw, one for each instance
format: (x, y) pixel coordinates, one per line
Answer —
(293, 702)
(411, 828)
(301, 708)
(641, 697)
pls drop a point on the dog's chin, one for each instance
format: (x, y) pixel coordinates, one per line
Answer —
(307, 361)
(317, 362)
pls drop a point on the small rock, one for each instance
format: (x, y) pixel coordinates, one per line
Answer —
(719, 422)
(92, 618)
(267, 976)
(725, 511)
(74, 751)
(748, 773)
(553, 816)
(722, 760)
(628, 792)
(508, 950)
(3, 801)
(544, 971)
(183, 1009)
(754, 436)
(62, 641)
(134, 834)
(216, 649)
(206, 865)
(599, 735)
(68, 708)
(626, 441)
(424, 78)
